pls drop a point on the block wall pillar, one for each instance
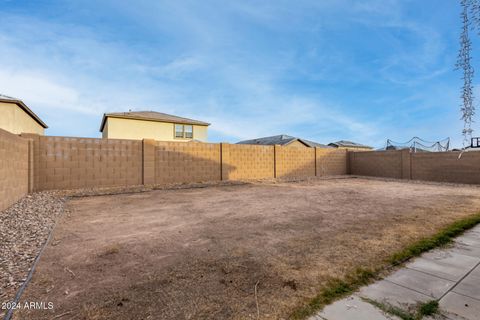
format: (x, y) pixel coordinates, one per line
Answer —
(276, 161)
(33, 160)
(406, 164)
(224, 161)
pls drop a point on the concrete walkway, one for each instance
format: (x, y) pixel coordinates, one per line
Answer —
(451, 276)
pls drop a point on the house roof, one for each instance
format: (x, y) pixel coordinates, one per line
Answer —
(283, 140)
(23, 106)
(348, 144)
(150, 116)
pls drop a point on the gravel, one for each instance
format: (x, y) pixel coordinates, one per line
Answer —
(24, 228)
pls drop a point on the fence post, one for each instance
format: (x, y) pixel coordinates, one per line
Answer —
(406, 164)
(31, 166)
(33, 156)
(148, 171)
(276, 158)
(224, 161)
(350, 159)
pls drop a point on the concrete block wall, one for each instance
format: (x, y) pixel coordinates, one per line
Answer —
(35, 163)
(31, 162)
(387, 164)
(331, 162)
(292, 162)
(183, 162)
(446, 167)
(148, 173)
(244, 162)
(71, 163)
(14, 168)
(426, 166)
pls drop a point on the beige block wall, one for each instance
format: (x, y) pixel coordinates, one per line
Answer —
(70, 163)
(244, 162)
(14, 120)
(446, 167)
(14, 168)
(177, 162)
(331, 162)
(386, 164)
(118, 128)
(34, 162)
(427, 166)
(58, 163)
(294, 162)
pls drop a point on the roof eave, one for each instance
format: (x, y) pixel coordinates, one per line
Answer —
(27, 110)
(105, 116)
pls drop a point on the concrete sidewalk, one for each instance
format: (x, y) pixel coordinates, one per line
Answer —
(450, 276)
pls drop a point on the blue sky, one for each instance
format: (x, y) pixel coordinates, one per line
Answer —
(322, 70)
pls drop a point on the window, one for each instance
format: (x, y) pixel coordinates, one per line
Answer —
(184, 131)
(188, 131)
(178, 131)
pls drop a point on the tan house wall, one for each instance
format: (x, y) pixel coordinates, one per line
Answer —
(119, 128)
(14, 120)
(14, 168)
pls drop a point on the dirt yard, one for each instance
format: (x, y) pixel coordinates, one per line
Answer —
(198, 253)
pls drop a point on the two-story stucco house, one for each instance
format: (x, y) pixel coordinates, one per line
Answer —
(17, 118)
(137, 125)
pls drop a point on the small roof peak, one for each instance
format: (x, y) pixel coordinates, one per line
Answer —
(22, 105)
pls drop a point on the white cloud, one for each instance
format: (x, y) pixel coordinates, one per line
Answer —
(212, 60)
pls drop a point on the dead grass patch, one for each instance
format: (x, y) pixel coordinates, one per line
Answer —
(110, 250)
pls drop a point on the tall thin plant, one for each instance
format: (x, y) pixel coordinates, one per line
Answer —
(464, 63)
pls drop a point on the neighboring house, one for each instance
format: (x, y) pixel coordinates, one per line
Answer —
(343, 144)
(284, 140)
(137, 125)
(17, 118)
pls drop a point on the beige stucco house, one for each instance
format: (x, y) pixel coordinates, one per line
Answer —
(137, 125)
(17, 118)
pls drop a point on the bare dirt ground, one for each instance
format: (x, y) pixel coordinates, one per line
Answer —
(198, 253)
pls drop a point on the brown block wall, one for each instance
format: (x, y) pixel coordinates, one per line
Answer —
(149, 148)
(294, 162)
(14, 168)
(70, 163)
(244, 162)
(386, 164)
(331, 162)
(181, 162)
(35, 163)
(446, 167)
